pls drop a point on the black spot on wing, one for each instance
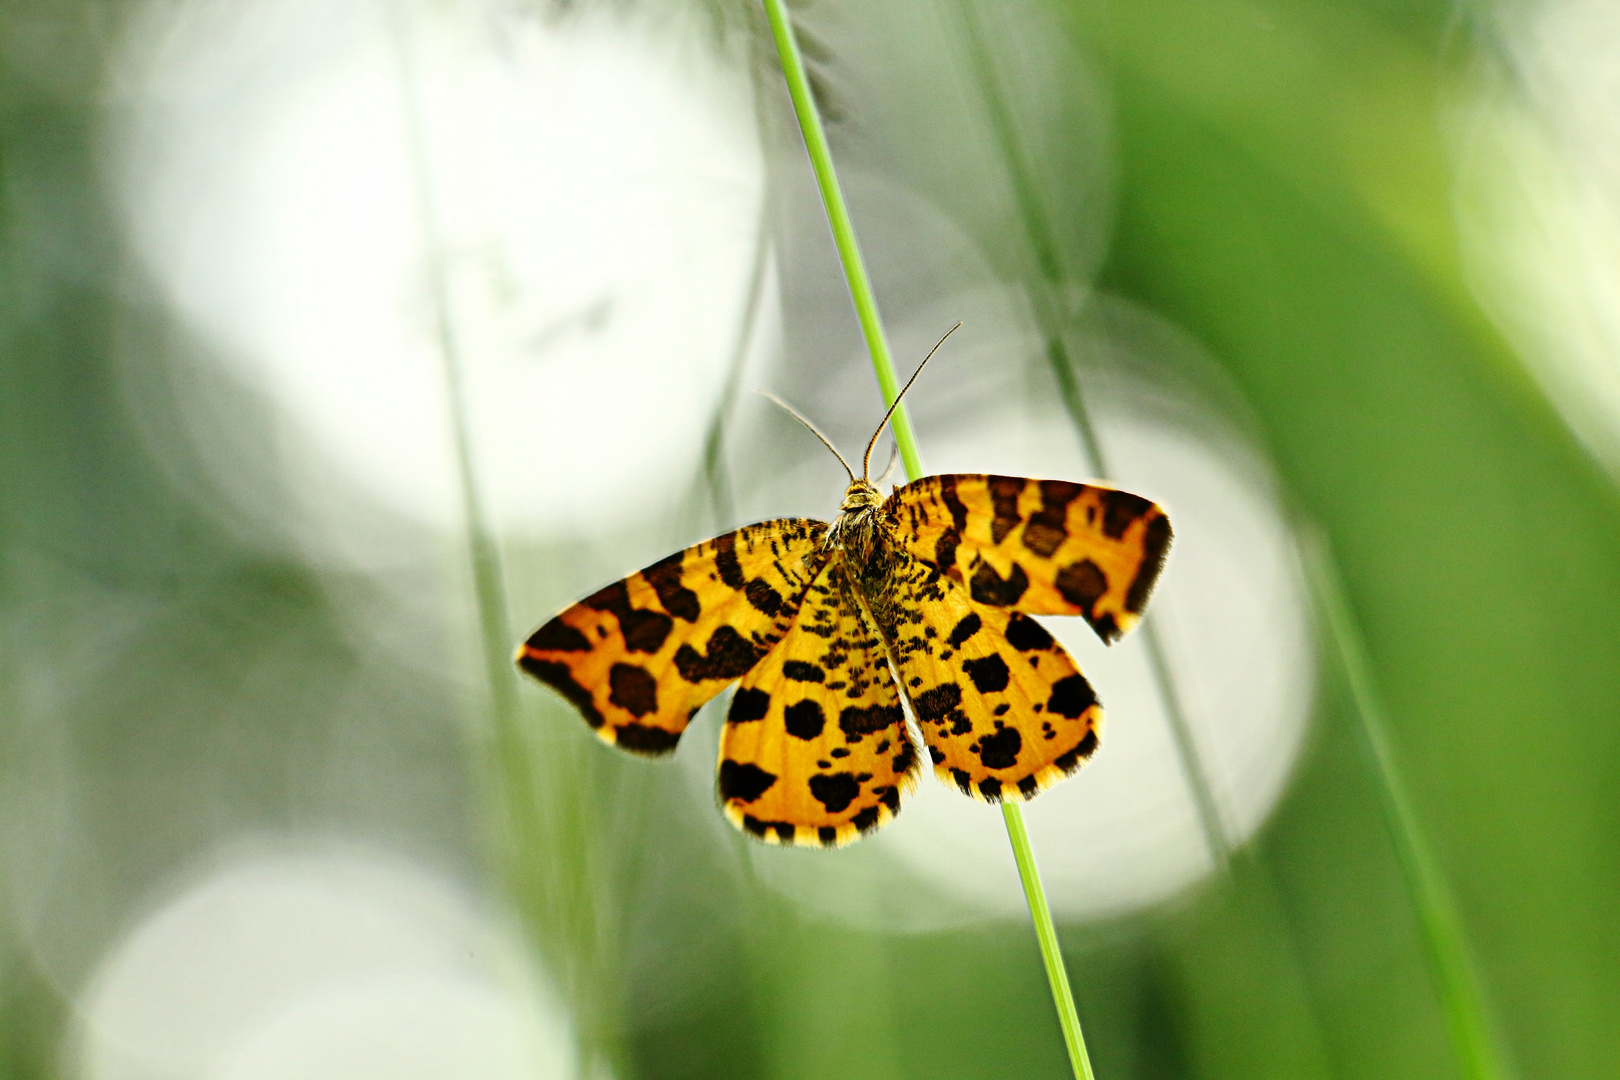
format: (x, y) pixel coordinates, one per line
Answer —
(990, 788)
(763, 598)
(632, 689)
(953, 503)
(645, 738)
(1047, 528)
(989, 587)
(1071, 761)
(1071, 697)
(1106, 627)
(725, 561)
(835, 791)
(1155, 545)
(728, 656)
(1000, 750)
(804, 719)
(828, 835)
(613, 598)
(1028, 786)
(560, 678)
(665, 578)
(558, 636)
(1027, 635)
(1043, 535)
(744, 782)
(799, 671)
(856, 721)
(645, 631)
(989, 673)
(938, 703)
(748, 705)
(940, 706)
(965, 629)
(1004, 492)
(866, 820)
(904, 758)
(945, 548)
(1082, 584)
(1120, 508)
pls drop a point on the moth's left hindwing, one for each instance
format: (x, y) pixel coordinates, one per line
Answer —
(815, 749)
(639, 657)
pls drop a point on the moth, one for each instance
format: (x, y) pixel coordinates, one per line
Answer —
(922, 597)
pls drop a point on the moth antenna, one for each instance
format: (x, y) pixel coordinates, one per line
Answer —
(888, 470)
(801, 418)
(866, 462)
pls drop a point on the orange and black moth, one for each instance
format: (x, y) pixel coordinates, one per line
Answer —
(922, 598)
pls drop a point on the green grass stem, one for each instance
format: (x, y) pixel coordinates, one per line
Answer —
(1046, 932)
(866, 309)
(843, 229)
(1439, 924)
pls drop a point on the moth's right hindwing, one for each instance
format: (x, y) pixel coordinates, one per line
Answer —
(1003, 709)
(640, 656)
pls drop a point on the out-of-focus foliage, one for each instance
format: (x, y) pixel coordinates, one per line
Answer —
(272, 801)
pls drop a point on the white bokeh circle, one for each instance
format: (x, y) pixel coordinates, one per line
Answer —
(339, 197)
(324, 962)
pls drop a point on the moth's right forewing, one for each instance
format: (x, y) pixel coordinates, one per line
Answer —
(1048, 547)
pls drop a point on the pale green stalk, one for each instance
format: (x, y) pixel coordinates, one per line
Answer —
(1439, 924)
(860, 289)
(514, 799)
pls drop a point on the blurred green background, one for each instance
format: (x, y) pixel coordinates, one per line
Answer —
(272, 800)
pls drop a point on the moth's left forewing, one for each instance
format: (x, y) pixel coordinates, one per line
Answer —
(640, 656)
(1045, 546)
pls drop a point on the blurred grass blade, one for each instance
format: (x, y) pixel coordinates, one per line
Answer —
(722, 500)
(1044, 299)
(1441, 929)
(860, 287)
(525, 814)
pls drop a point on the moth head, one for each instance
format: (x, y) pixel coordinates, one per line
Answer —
(861, 495)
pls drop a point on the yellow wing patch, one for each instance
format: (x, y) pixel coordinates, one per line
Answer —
(1045, 546)
(640, 656)
(815, 749)
(1003, 709)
